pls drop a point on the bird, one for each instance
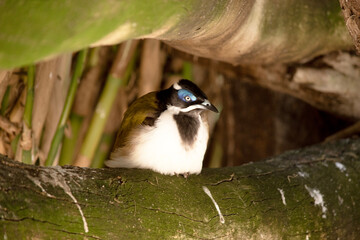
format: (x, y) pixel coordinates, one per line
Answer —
(164, 131)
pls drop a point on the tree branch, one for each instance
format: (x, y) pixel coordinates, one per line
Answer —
(233, 31)
(313, 192)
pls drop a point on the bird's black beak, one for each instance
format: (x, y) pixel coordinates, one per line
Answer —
(207, 104)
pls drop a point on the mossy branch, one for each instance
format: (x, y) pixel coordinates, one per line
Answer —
(247, 31)
(309, 193)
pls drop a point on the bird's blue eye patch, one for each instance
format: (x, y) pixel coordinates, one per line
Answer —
(186, 95)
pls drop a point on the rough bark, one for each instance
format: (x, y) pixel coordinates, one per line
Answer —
(351, 12)
(310, 193)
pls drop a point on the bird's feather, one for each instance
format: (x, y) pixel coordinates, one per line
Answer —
(143, 111)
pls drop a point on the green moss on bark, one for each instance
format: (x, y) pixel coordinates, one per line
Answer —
(133, 204)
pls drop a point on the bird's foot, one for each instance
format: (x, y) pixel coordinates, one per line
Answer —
(185, 175)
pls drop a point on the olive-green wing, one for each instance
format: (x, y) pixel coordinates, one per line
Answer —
(143, 111)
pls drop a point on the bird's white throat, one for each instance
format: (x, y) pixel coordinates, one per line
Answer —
(161, 148)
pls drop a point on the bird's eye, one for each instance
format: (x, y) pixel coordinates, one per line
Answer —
(186, 95)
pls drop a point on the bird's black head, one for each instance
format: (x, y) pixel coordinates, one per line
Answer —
(186, 96)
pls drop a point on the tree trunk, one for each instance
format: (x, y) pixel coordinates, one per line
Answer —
(305, 194)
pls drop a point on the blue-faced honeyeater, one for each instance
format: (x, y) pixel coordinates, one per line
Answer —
(164, 131)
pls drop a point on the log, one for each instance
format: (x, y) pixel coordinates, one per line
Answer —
(237, 32)
(310, 193)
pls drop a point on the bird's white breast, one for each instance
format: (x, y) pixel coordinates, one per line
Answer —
(161, 149)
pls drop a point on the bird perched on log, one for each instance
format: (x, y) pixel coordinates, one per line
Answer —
(164, 131)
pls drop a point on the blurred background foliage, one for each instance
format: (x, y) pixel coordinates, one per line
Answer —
(67, 110)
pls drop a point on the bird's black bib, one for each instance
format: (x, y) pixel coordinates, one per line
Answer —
(188, 127)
